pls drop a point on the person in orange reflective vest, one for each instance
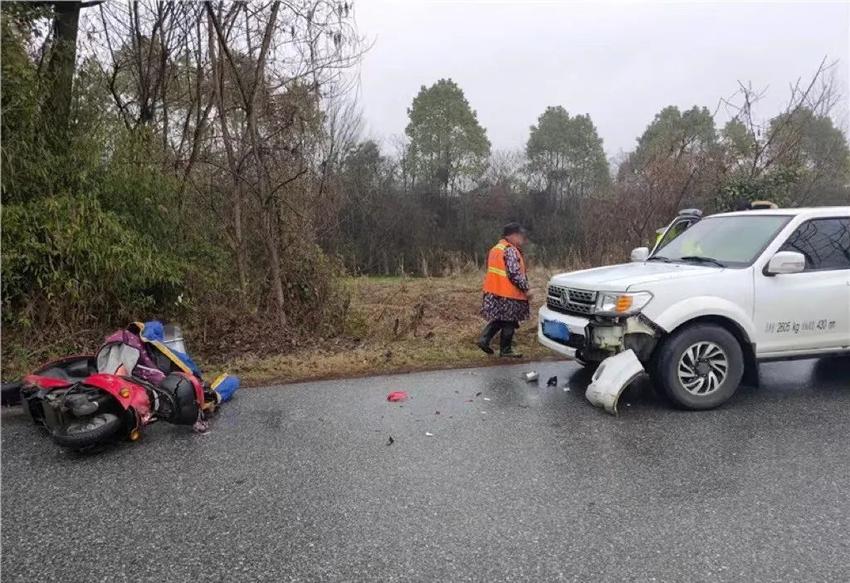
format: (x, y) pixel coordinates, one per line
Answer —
(506, 293)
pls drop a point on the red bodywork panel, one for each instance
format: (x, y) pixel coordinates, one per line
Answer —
(39, 377)
(135, 396)
(46, 382)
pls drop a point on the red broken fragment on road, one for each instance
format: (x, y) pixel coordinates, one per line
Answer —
(396, 396)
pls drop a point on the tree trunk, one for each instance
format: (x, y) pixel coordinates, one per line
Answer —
(271, 240)
(63, 56)
(241, 247)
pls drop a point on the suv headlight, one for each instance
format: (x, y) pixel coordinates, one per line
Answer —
(624, 304)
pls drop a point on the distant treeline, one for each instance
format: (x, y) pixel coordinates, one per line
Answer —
(437, 202)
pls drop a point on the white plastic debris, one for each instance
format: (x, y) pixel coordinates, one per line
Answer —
(486, 398)
(427, 434)
(530, 376)
(614, 374)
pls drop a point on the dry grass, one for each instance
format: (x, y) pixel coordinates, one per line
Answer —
(398, 325)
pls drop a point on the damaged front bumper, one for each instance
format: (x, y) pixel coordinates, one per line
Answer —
(614, 374)
(619, 345)
(595, 338)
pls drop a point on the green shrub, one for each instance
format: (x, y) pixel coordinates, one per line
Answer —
(66, 259)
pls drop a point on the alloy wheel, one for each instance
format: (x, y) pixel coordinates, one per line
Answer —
(702, 368)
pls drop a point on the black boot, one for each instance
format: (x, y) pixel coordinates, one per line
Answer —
(505, 342)
(487, 334)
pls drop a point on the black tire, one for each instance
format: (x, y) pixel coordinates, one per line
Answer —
(89, 431)
(708, 340)
(10, 393)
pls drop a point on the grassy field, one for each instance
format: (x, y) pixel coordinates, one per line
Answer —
(398, 325)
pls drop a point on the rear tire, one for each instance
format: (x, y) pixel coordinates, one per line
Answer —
(89, 431)
(10, 393)
(699, 366)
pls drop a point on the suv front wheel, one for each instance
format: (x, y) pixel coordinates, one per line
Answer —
(699, 366)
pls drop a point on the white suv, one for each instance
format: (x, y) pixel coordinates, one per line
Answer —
(708, 304)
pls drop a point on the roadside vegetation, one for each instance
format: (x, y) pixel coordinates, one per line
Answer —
(396, 324)
(204, 163)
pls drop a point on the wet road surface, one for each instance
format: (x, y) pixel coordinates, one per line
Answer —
(520, 482)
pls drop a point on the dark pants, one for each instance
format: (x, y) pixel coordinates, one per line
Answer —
(507, 329)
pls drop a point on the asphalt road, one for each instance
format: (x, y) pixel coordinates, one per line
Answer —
(520, 482)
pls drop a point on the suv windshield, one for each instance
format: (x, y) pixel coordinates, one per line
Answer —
(733, 241)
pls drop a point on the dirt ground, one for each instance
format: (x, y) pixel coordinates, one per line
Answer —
(398, 324)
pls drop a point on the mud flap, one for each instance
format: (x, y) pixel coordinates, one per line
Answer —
(614, 374)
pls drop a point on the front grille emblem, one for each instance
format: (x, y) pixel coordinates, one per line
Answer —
(570, 300)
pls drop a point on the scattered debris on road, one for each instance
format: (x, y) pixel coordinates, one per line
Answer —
(427, 434)
(390, 441)
(396, 396)
(530, 376)
(552, 382)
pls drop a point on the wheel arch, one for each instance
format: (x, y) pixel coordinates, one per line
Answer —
(740, 334)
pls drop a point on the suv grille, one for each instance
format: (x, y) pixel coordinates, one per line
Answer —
(571, 301)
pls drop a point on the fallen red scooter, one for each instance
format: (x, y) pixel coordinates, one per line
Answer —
(81, 408)
(135, 378)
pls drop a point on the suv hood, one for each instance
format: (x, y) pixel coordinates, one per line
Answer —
(630, 276)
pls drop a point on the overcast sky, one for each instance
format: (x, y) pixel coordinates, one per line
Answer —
(620, 63)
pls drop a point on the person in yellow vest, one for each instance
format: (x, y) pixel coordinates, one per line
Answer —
(506, 293)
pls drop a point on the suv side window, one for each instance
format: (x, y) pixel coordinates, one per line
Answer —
(825, 243)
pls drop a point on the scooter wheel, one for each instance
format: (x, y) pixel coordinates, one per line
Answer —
(11, 394)
(89, 431)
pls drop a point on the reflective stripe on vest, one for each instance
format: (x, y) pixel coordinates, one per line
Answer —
(496, 280)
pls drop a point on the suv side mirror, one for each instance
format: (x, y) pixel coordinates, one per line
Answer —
(786, 262)
(640, 254)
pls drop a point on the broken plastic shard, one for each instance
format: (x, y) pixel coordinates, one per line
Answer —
(552, 382)
(396, 396)
(427, 434)
(530, 376)
(614, 374)
(390, 441)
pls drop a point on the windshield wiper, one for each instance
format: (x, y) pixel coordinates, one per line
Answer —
(701, 259)
(660, 258)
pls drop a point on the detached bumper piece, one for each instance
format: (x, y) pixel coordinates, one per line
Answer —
(614, 374)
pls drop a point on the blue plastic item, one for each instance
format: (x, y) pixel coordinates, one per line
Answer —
(225, 385)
